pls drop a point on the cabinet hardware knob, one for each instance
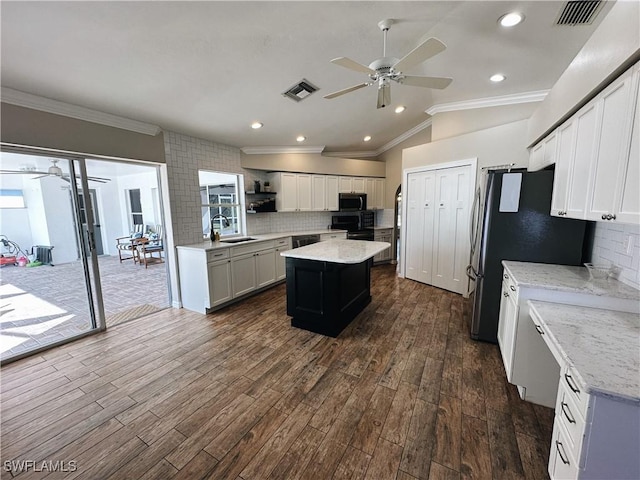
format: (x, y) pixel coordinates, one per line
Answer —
(506, 276)
(513, 289)
(566, 411)
(604, 217)
(442, 204)
(426, 204)
(539, 330)
(506, 294)
(562, 457)
(572, 386)
(613, 217)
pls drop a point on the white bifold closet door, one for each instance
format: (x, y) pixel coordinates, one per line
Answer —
(437, 248)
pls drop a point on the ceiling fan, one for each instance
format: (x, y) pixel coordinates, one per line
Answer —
(53, 171)
(385, 69)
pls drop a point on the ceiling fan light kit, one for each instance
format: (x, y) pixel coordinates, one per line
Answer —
(382, 70)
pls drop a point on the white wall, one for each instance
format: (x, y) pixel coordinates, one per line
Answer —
(14, 222)
(493, 146)
(614, 42)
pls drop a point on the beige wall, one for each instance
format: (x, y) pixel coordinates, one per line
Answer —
(393, 161)
(313, 163)
(25, 126)
(453, 124)
(493, 146)
(612, 48)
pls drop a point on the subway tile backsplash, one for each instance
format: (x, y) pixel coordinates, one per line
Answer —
(610, 246)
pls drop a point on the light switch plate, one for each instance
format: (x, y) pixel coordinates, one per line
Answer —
(628, 244)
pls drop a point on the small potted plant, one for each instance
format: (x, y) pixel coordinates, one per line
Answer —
(267, 186)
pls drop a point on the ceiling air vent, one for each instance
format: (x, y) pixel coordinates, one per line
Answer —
(300, 90)
(579, 12)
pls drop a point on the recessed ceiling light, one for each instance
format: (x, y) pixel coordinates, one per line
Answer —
(511, 19)
(498, 77)
(400, 109)
(300, 138)
(367, 138)
(256, 125)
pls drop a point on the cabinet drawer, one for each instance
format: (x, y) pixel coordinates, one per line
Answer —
(510, 285)
(569, 416)
(218, 254)
(251, 248)
(333, 236)
(568, 381)
(283, 242)
(562, 466)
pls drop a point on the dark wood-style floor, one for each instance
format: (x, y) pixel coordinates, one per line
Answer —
(403, 393)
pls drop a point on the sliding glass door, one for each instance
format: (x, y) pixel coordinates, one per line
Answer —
(49, 280)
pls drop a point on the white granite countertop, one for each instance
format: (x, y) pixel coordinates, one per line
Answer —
(602, 346)
(338, 251)
(209, 245)
(567, 279)
(383, 227)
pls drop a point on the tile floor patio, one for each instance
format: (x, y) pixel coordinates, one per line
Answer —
(45, 304)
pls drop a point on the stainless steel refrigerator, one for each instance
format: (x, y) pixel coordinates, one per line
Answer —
(510, 221)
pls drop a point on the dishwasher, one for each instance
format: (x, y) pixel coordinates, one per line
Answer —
(302, 240)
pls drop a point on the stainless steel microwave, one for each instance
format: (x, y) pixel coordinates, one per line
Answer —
(352, 202)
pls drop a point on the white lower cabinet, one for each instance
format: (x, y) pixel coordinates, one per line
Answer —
(507, 326)
(383, 235)
(243, 274)
(219, 276)
(213, 278)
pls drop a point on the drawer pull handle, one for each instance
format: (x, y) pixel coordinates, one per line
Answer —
(539, 329)
(571, 384)
(560, 449)
(567, 412)
(513, 289)
(218, 254)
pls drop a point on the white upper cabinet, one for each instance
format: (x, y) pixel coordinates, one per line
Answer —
(543, 154)
(597, 157)
(370, 190)
(345, 184)
(319, 192)
(331, 193)
(304, 192)
(379, 193)
(357, 184)
(293, 191)
(615, 118)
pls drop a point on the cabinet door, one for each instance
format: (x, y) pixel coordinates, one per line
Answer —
(332, 193)
(564, 167)
(243, 274)
(370, 190)
(289, 192)
(219, 276)
(265, 268)
(319, 192)
(507, 323)
(304, 192)
(358, 184)
(536, 157)
(380, 190)
(628, 192)
(281, 263)
(549, 155)
(613, 130)
(586, 121)
(345, 184)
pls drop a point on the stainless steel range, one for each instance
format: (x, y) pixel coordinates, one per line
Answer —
(358, 227)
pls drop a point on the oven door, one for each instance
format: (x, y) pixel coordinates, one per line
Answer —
(360, 235)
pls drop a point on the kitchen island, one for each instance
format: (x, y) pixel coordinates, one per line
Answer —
(328, 283)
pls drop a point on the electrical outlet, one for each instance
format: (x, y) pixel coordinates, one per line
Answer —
(628, 244)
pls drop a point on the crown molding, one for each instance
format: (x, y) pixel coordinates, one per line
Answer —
(283, 149)
(514, 99)
(409, 133)
(360, 154)
(28, 100)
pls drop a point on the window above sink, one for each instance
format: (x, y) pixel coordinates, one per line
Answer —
(221, 204)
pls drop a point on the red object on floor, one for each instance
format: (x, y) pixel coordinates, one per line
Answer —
(8, 260)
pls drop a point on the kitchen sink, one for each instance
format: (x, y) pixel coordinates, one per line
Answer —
(237, 240)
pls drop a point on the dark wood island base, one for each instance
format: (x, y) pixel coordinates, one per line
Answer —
(324, 297)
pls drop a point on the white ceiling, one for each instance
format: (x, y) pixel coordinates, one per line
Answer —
(210, 69)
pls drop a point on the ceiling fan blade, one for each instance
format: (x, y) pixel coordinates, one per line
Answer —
(384, 95)
(40, 176)
(427, 82)
(352, 65)
(98, 179)
(427, 49)
(346, 90)
(22, 172)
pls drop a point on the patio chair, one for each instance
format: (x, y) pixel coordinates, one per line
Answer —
(129, 244)
(154, 245)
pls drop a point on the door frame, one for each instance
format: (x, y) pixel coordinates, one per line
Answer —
(470, 162)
